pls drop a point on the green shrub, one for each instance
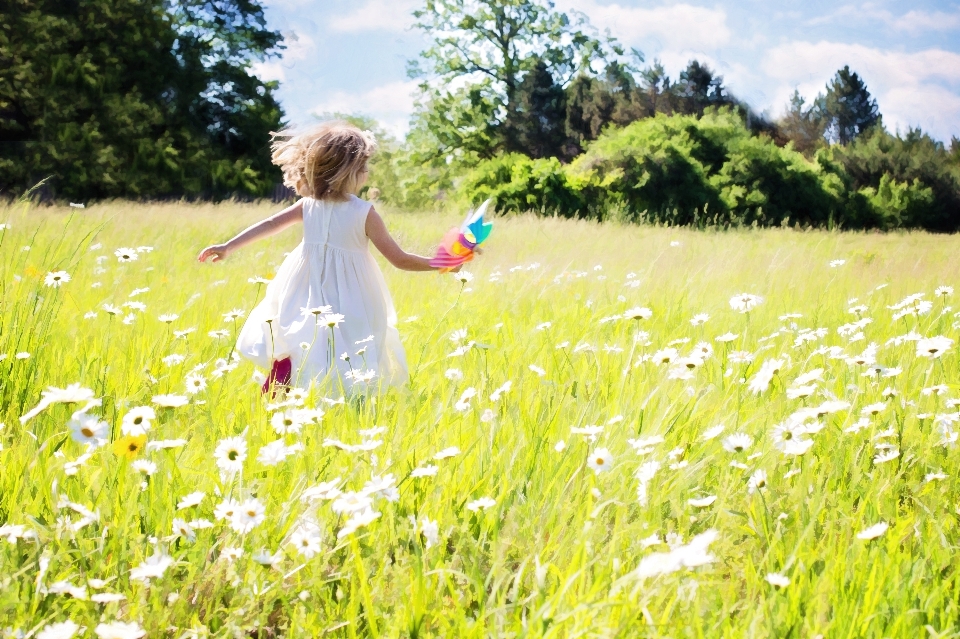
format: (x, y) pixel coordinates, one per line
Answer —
(517, 183)
(713, 170)
(901, 204)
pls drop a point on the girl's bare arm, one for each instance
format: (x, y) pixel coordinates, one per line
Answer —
(264, 228)
(377, 232)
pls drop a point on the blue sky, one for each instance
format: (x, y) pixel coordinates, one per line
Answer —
(350, 56)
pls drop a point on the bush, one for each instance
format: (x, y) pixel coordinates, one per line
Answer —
(517, 183)
(918, 164)
(713, 170)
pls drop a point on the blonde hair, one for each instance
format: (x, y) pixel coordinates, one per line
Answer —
(325, 161)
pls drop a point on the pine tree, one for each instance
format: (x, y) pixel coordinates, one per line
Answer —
(848, 107)
(536, 127)
(802, 124)
(698, 89)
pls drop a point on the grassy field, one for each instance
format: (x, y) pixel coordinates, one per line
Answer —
(786, 472)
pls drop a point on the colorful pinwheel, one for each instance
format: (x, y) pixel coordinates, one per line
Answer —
(459, 244)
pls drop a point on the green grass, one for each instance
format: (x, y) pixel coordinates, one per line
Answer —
(557, 555)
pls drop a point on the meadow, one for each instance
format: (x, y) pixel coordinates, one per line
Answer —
(609, 431)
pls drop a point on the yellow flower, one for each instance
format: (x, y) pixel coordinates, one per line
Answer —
(129, 446)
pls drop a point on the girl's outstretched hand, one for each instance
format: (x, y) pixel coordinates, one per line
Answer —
(218, 252)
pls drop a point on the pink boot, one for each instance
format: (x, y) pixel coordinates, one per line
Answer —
(279, 374)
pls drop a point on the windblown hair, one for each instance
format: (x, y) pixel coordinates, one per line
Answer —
(325, 161)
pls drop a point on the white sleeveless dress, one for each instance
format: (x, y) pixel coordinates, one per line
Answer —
(331, 267)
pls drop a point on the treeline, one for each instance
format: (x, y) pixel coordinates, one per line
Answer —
(135, 98)
(557, 119)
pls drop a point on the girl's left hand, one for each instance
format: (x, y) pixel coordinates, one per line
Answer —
(218, 252)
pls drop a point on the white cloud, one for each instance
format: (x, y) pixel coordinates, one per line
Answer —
(680, 26)
(917, 21)
(269, 71)
(376, 15)
(913, 22)
(390, 104)
(912, 89)
(298, 47)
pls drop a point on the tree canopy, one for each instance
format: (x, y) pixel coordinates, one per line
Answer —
(135, 98)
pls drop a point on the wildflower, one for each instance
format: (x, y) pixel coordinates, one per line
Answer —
(536, 369)
(836, 263)
(119, 630)
(495, 395)
(286, 422)
(702, 503)
(741, 357)
(144, 467)
(638, 313)
(665, 355)
(170, 401)
(682, 556)
(874, 409)
(757, 481)
(933, 347)
(162, 444)
(600, 460)
(152, 568)
(137, 421)
(452, 451)
(306, 539)
(184, 530)
(777, 580)
(710, 433)
(737, 443)
(464, 277)
(424, 471)
(72, 394)
(454, 374)
(61, 630)
(226, 509)
(873, 531)
(230, 454)
(248, 516)
(760, 382)
(234, 315)
(885, 456)
(428, 528)
(560, 446)
(726, 337)
(195, 383)
(331, 320)
(798, 392)
(129, 446)
(358, 520)
(56, 279)
(699, 319)
(275, 452)
(745, 302)
(191, 500)
(87, 429)
(385, 486)
(126, 255)
(481, 504)
(944, 291)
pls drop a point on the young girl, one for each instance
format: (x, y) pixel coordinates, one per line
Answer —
(331, 272)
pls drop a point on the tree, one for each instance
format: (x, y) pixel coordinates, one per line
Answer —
(135, 98)
(656, 85)
(848, 107)
(499, 41)
(698, 89)
(803, 125)
(595, 102)
(536, 127)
